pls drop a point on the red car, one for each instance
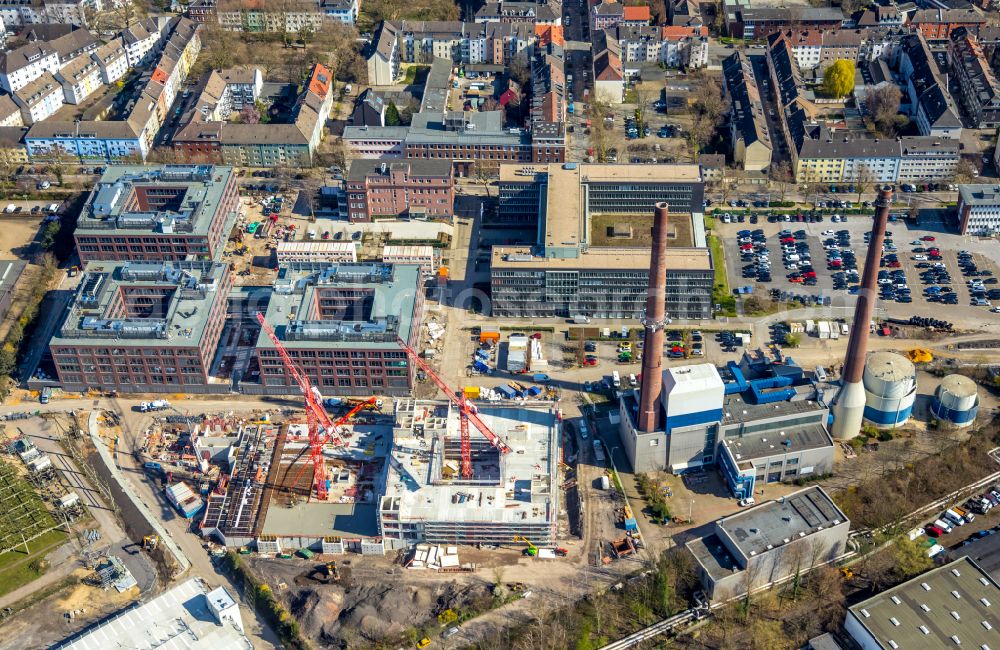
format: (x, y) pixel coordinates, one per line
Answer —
(787, 240)
(590, 361)
(797, 280)
(894, 265)
(933, 531)
(926, 238)
(810, 274)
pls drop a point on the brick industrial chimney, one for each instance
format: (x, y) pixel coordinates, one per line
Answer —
(849, 407)
(652, 353)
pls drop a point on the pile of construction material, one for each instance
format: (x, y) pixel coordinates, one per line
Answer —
(438, 558)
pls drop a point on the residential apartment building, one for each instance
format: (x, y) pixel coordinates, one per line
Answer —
(609, 69)
(341, 324)
(328, 252)
(40, 98)
(142, 327)
(506, 11)
(548, 84)
(930, 102)
(382, 55)
(85, 141)
(750, 138)
(158, 213)
(10, 112)
(821, 156)
(112, 59)
(978, 209)
(742, 20)
(471, 43)
(674, 47)
(342, 11)
(80, 78)
(427, 257)
(566, 272)
(207, 138)
(938, 24)
(978, 86)
(20, 67)
(12, 151)
(818, 49)
(417, 189)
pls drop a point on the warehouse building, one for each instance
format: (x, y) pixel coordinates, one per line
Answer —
(766, 424)
(769, 543)
(591, 255)
(159, 213)
(425, 499)
(341, 323)
(142, 327)
(950, 606)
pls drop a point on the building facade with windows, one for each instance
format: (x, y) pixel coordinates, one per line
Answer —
(978, 209)
(341, 325)
(158, 213)
(407, 188)
(142, 326)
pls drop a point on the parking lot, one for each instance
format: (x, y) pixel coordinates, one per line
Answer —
(830, 247)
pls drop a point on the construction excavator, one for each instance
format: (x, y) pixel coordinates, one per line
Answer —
(150, 542)
(326, 572)
(532, 550)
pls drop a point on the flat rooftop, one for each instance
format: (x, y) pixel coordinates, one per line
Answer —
(713, 556)
(942, 608)
(978, 194)
(598, 173)
(735, 408)
(678, 259)
(791, 440)
(178, 618)
(168, 199)
(774, 523)
(520, 490)
(986, 553)
(142, 303)
(316, 304)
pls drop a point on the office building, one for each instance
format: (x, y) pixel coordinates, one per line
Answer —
(769, 543)
(978, 209)
(142, 326)
(341, 325)
(417, 189)
(582, 262)
(512, 493)
(742, 20)
(950, 606)
(159, 213)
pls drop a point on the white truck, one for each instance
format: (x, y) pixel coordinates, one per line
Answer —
(155, 405)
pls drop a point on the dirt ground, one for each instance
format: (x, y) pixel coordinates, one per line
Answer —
(47, 622)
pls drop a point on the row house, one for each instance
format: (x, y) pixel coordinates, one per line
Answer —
(749, 136)
(144, 40)
(684, 13)
(609, 71)
(16, 13)
(112, 60)
(471, 43)
(257, 20)
(406, 188)
(548, 84)
(930, 103)
(978, 87)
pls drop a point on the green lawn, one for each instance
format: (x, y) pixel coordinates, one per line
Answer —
(721, 293)
(16, 567)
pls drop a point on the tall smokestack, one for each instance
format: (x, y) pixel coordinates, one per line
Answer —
(652, 354)
(850, 405)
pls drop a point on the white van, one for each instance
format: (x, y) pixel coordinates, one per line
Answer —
(583, 429)
(946, 526)
(10, 208)
(616, 379)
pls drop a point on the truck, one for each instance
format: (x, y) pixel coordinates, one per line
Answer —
(541, 378)
(45, 395)
(155, 405)
(605, 482)
(616, 379)
(580, 319)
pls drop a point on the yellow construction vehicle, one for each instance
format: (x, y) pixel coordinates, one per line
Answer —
(150, 542)
(532, 550)
(423, 643)
(847, 572)
(920, 355)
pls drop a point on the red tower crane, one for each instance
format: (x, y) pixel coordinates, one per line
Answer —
(467, 413)
(316, 415)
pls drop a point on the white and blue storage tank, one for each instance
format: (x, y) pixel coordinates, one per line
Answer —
(956, 401)
(890, 382)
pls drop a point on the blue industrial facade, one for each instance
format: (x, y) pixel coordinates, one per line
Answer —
(942, 412)
(741, 485)
(887, 418)
(691, 419)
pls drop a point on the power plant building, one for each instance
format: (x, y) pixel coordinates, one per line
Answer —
(425, 498)
(956, 401)
(341, 324)
(769, 542)
(890, 382)
(766, 423)
(592, 252)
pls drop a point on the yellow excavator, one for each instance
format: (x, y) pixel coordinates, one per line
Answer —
(150, 542)
(532, 550)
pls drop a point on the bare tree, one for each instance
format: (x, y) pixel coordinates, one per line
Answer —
(882, 107)
(866, 178)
